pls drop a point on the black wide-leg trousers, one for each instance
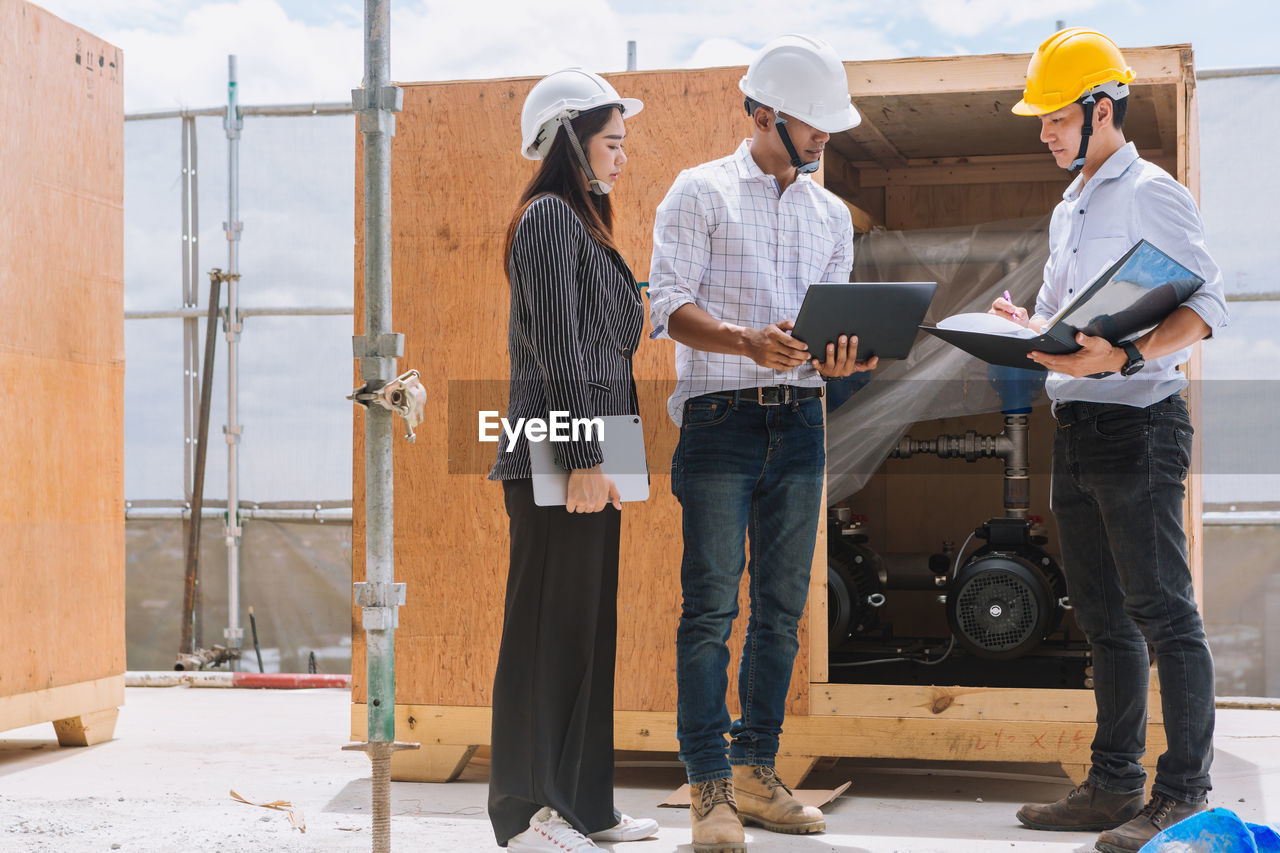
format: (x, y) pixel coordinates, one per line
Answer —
(553, 691)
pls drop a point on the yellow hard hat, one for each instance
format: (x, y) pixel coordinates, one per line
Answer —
(1066, 66)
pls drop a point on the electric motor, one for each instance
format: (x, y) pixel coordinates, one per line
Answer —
(1001, 604)
(855, 590)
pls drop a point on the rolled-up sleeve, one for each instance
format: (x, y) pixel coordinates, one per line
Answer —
(544, 268)
(681, 253)
(1170, 220)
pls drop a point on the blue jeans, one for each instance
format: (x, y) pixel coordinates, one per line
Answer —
(742, 469)
(1117, 495)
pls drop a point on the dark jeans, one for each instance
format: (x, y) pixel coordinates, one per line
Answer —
(1117, 495)
(742, 469)
(553, 690)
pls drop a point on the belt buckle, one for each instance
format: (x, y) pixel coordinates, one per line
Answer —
(773, 389)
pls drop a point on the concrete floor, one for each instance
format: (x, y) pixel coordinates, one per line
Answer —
(162, 785)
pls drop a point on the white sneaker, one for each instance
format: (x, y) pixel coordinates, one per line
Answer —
(549, 833)
(628, 829)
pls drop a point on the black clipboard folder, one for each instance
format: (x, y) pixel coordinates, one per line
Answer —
(1129, 299)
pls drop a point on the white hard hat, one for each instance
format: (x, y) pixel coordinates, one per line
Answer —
(803, 77)
(565, 94)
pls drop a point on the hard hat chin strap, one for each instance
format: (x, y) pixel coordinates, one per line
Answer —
(800, 166)
(1088, 103)
(597, 186)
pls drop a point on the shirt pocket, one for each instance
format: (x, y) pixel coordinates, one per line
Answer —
(816, 248)
(1098, 253)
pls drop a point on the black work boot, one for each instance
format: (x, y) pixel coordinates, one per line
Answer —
(1086, 809)
(1156, 816)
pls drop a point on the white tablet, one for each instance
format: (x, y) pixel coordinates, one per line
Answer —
(624, 461)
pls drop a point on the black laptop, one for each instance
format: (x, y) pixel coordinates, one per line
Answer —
(884, 315)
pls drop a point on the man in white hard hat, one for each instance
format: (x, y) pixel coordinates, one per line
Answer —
(736, 243)
(1122, 450)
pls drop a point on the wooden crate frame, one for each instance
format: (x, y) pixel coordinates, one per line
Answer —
(448, 282)
(61, 292)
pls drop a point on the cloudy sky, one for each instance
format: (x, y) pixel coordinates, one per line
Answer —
(305, 50)
(297, 175)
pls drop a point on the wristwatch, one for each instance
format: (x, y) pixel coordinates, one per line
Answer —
(1135, 363)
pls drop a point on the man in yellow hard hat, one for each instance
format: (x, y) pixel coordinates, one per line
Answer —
(1122, 450)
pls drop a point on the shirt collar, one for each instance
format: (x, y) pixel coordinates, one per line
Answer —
(749, 169)
(1114, 167)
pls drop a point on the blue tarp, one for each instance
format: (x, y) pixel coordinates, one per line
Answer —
(1215, 831)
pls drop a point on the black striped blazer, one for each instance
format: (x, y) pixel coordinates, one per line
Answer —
(576, 318)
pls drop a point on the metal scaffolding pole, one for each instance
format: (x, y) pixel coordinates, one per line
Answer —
(233, 122)
(379, 596)
(191, 374)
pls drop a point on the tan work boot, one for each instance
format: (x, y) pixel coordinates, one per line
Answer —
(1087, 808)
(764, 801)
(714, 815)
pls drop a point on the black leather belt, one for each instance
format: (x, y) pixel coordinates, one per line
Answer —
(770, 395)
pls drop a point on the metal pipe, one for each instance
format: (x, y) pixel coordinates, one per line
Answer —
(379, 505)
(191, 375)
(631, 56)
(316, 516)
(379, 597)
(233, 123)
(1255, 296)
(199, 678)
(314, 109)
(1011, 446)
(191, 583)
(1222, 73)
(282, 311)
(1261, 518)
(245, 506)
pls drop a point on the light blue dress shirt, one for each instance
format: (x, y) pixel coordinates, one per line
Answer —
(1127, 200)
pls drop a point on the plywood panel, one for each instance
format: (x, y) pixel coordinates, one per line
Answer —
(61, 355)
(62, 193)
(449, 287)
(912, 208)
(61, 525)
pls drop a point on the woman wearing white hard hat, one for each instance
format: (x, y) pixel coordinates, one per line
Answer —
(576, 318)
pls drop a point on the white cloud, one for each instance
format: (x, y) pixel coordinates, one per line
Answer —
(720, 51)
(442, 40)
(967, 18)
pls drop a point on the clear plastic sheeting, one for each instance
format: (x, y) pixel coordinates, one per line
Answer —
(972, 266)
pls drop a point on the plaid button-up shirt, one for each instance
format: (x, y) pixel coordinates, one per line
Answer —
(726, 240)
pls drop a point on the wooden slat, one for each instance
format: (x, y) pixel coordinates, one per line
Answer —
(1033, 740)
(983, 73)
(876, 144)
(962, 703)
(61, 356)
(20, 710)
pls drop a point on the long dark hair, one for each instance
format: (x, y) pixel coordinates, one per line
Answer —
(560, 174)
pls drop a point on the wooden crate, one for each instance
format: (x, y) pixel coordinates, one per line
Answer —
(936, 147)
(61, 377)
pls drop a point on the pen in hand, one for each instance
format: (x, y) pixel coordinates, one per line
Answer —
(1012, 310)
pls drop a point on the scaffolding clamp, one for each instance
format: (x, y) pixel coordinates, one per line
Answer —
(377, 108)
(379, 604)
(406, 397)
(403, 395)
(373, 350)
